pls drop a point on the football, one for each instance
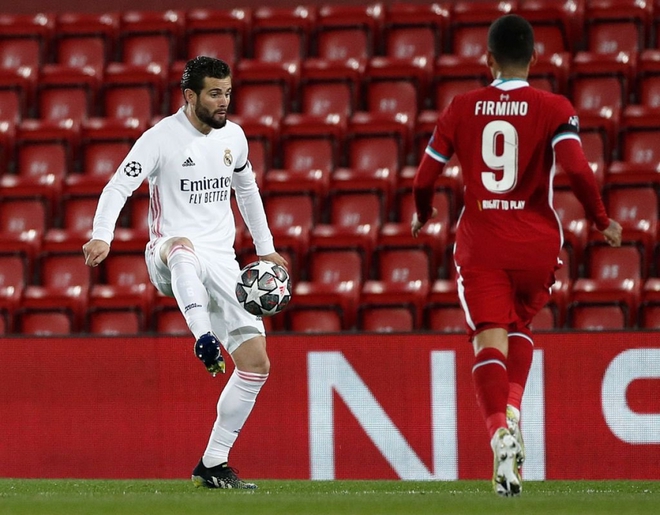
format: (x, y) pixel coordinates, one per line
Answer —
(263, 288)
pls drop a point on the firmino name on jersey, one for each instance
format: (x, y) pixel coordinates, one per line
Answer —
(205, 190)
(501, 108)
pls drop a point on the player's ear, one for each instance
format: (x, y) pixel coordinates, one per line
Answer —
(490, 60)
(492, 64)
(189, 95)
(535, 57)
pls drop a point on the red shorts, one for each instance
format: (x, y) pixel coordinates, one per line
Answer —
(502, 298)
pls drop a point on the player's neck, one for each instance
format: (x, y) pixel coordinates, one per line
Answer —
(511, 74)
(196, 122)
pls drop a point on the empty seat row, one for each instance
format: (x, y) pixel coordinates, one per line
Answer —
(329, 30)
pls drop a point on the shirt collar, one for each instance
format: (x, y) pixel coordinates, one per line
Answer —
(509, 84)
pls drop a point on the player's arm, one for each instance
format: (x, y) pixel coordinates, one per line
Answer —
(137, 165)
(433, 162)
(252, 210)
(569, 154)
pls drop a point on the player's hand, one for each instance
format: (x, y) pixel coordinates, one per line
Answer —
(277, 259)
(416, 225)
(613, 233)
(95, 251)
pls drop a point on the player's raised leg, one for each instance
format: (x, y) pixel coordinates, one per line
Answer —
(193, 299)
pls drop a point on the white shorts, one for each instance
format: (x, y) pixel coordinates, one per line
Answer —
(230, 322)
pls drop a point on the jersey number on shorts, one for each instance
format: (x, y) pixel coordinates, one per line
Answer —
(502, 135)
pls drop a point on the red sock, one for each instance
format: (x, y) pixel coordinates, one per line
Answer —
(518, 363)
(491, 383)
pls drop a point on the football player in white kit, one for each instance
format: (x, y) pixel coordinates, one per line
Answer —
(191, 160)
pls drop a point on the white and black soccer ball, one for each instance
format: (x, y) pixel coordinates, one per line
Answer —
(263, 288)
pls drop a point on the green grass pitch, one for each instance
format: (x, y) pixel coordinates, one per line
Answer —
(99, 497)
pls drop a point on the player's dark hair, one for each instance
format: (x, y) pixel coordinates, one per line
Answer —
(200, 67)
(511, 40)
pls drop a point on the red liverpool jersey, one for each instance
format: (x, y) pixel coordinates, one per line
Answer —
(505, 136)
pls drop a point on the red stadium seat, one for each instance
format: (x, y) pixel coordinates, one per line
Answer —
(648, 78)
(114, 323)
(356, 209)
(386, 319)
(415, 30)
(446, 319)
(597, 318)
(617, 25)
(650, 317)
(45, 323)
(312, 142)
(334, 266)
(25, 39)
(410, 295)
(403, 265)
(17, 216)
(314, 321)
(171, 321)
(67, 92)
(378, 140)
(289, 210)
(348, 31)
(78, 213)
(602, 80)
(639, 135)
(86, 39)
(13, 279)
(65, 132)
(331, 86)
(396, 86)
(147, 37)
(132, 302)
(338, 274)
(614, 276)
(133, 91)
(649, 312)
(282, 34)
(42, 160)
(267, 88)
(217, 33)
(636, 209)
(125, 270)
(10, 106)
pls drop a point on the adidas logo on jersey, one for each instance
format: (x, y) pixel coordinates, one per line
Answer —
(188, 162)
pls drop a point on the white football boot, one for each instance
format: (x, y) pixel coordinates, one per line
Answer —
(506, 478)
(513, 423)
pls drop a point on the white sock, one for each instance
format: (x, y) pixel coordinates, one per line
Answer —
(234, 406)
(189, 292)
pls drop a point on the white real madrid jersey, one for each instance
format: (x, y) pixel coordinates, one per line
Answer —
(190, 178)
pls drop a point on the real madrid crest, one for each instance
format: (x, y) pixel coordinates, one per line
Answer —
(228, 157)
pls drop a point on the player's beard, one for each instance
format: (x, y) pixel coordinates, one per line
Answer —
(204, 115)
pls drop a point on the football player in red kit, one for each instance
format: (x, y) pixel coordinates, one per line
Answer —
(508, 137)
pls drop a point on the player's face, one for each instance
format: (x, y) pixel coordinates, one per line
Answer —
(213, 102)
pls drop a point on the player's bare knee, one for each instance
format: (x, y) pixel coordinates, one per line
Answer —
(171, 244)
(251, 356)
